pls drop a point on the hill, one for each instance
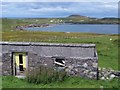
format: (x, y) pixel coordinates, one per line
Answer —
(79, 19)
(79, 16)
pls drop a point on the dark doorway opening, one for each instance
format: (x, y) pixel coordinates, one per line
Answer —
(21, 62)
(20, 59)
(21, 68)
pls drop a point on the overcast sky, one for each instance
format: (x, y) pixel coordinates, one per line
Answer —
(60, 9)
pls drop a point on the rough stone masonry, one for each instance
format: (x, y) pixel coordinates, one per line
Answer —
(77, 59)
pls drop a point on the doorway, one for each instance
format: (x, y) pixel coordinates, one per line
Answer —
(19, 63)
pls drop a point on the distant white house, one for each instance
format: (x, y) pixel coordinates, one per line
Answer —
(51, 20)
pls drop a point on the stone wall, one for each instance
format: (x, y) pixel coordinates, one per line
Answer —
(108, 73)
(35, 60)
(52, 50)
(73, 66)
(80, 59)
(6, 64)
(82, 67)
(1, 63)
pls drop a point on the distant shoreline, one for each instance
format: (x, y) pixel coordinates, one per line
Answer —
(51, 25)
(69, 28)
(33, 26)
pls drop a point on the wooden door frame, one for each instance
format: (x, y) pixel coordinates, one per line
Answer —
(14, 72)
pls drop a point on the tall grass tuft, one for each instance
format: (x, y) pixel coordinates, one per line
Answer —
(45, 75)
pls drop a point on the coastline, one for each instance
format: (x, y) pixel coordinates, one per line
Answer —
(70, 28)
(51, 25)
(33, 26)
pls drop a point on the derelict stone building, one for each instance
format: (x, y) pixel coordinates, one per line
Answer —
(77, 59)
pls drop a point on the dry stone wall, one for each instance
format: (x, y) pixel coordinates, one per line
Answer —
(80, 59)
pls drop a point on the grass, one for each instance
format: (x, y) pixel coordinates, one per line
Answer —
(45, 75)
(71, 82)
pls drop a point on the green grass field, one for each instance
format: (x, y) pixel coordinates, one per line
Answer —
(107, 53)
(72, 82)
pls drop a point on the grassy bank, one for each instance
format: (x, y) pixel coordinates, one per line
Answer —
(72, 82)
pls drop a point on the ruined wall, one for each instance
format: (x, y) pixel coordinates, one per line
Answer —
(82, 67)
(34, 60)
(80, 60)
(6, 64)
(73, 66)
(52, 50)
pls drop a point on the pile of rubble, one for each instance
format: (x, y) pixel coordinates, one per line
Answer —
(108, 74)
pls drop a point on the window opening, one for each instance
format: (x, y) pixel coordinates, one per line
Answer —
(60, 62)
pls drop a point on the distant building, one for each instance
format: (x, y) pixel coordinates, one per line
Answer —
(19, 28)
(51, 20)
